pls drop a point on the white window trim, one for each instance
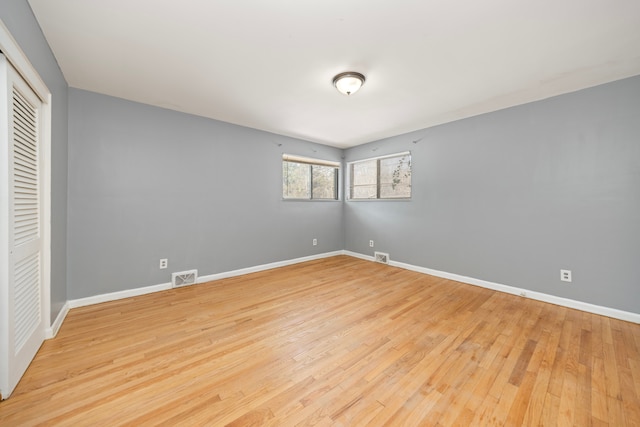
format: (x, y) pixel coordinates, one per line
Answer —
(386, 156)
(310, 161)
(368, 159)
(319, 162)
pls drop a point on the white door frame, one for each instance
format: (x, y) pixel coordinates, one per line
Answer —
(21, 63)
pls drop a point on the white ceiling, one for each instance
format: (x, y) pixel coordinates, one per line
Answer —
(269, 64)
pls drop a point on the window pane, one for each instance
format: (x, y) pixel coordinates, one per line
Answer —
(296, 179)
(395, 177)
(324, 182)
(364, 176)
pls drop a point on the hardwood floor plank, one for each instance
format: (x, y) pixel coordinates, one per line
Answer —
(522, 363)
(568, 394)
(521, 400)
(332, 342)
(598, 390)
(635, 373)
(551, 410)
(583, 396)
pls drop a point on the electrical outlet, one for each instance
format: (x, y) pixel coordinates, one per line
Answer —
(565, 275)
(315, 242)
(164, 262)
(370, 243)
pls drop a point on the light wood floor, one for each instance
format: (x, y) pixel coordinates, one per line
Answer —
(333, 342)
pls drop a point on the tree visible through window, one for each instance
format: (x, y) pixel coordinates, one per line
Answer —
(386, 177)
(312, 179)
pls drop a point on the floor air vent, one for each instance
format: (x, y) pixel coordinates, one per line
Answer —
(382, 257)
(184, 278)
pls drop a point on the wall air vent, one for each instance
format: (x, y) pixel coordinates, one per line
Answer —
(184, 278)
(381, 257)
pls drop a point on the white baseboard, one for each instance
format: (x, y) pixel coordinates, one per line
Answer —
(52, 331)
(539, 296)
(361, 256)
(565, 302)
(255, 269)
(113, 296)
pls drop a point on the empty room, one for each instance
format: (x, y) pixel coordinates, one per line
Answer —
(355, 213)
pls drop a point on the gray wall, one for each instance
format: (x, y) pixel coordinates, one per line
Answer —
(147, 183)
(18, 18)
(516, 195)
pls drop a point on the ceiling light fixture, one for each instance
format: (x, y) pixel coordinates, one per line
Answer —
(349, 82)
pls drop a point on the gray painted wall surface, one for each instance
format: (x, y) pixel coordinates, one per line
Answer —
(147, 183)
(19, 20)
(516, 195)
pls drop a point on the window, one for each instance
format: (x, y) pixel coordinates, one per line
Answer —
(310, 179)
(387, 177)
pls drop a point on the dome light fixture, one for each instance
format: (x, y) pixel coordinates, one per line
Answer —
(348, 82)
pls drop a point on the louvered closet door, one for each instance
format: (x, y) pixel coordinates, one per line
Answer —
(23, 311)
